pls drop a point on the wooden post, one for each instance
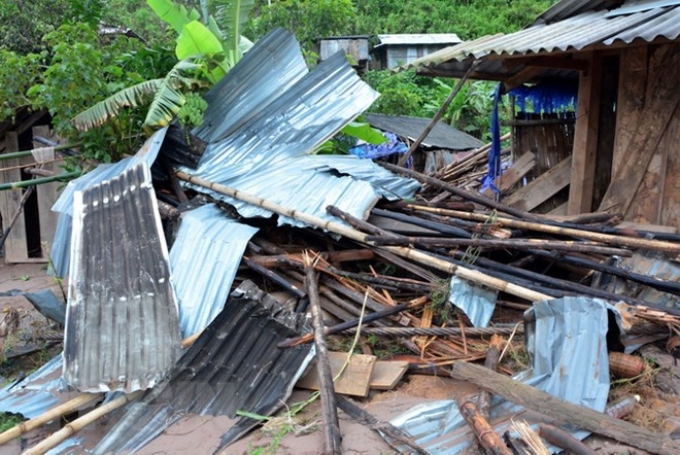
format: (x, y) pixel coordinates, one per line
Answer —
(332, 438)
(493, 355)
(563, 411)
(585, 138)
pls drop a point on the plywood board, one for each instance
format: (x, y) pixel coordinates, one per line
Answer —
(355, 380)
(653, 123)
(631, 100)
(541, 189)
(387, 374)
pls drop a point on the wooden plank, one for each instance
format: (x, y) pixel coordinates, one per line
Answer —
(355, 380)
(670, 207)
(585, 138)
(47, 194)
(525, 75)
(653, 123)
(560, 210)
(541, 189)
(513, 174)
(16, 249)
(631, 99)
(387, 374)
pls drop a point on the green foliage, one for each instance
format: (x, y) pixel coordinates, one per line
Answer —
(24, 23)
(468, 19)
(307, 19)
(17, 74)
(405, 93)
(8, 421)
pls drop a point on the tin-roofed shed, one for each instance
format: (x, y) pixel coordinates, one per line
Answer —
(625, 55)
(394, 50)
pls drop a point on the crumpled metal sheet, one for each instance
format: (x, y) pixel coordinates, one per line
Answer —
(36, 393)
(652, 265)
(264, 73)
(268, 156)
(234, 365)
(568, 346)
(61, 244)
(204, 259)
(122, 329)
(476, 301)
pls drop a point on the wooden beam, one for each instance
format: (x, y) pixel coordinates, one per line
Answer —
(564, 62)
(514, 174)
(525, 75)
(654, 120)
(542, 188)
(585, 139)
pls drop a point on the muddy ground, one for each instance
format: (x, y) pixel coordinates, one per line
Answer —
(201, 435)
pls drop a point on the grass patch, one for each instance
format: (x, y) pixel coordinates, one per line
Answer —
(8, 421)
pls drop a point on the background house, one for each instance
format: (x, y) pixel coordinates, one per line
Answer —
(624, 56)
(392, 51)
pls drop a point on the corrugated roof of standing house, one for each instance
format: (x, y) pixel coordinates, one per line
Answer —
(417, 39)
(568, 26)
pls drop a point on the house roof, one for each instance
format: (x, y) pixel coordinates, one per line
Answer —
(567, 27)
(441, 136)
(424, 38)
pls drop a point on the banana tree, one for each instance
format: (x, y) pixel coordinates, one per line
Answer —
(204, 53)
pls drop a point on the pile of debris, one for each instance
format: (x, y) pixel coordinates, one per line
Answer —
(199, 274)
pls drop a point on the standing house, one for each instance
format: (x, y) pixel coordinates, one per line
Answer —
(392, 51)
(625, 57)
(357, 47)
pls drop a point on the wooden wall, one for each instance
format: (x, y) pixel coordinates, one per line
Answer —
(646, 160)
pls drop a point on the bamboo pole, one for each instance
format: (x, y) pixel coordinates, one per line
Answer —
(72, 428)
(23, 153)
(516, 244)
(439, 114)
(332, 437)
(337, 228)
(631, 242)
(54, 413)
(39, 181)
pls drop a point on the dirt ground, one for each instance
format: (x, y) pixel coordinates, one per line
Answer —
(201, 435)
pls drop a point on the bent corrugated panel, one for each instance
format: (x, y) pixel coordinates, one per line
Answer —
(204, 259)
(234, 365)
(122, 330)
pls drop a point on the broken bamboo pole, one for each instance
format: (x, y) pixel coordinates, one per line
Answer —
(493, 356)
(72, 428)
(487, 437)
(296, 341)
(330, 256)
(365, 418)
(436, 331)
(439, 113)
(332, 438)
(631, 242)
(428, 224)
(470, 196)
(357, 236)
(39, 181)
(516, 244)
(563, 411)
(54, 413)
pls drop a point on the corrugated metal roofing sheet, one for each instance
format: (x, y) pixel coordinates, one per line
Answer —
(422, 38)
(269, 155)
(265, 72)
(570, 361)
(122, 330)
(36, 393)
(204, 259)
(577, 32)
(476, 301)
(442, 135)
(234, 365)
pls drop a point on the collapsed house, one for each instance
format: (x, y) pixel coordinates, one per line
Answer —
(164, 265)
